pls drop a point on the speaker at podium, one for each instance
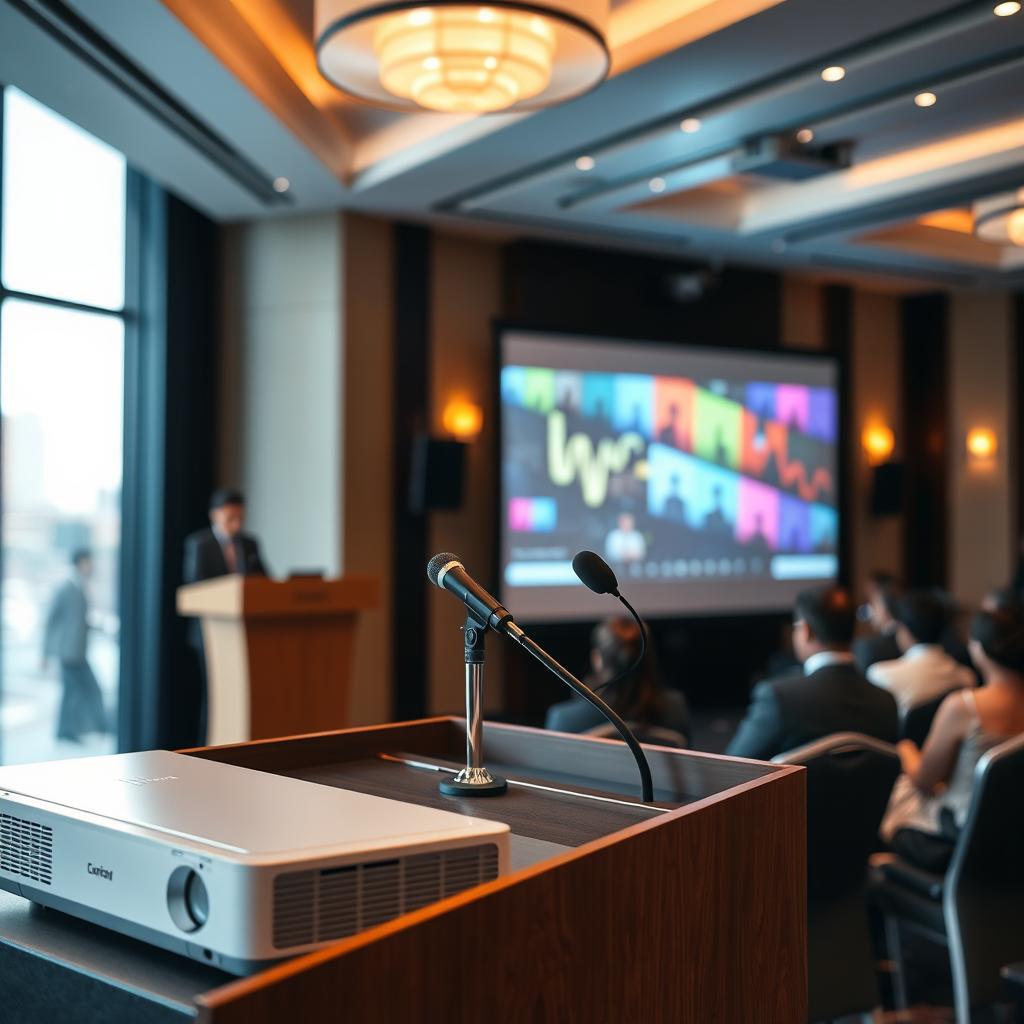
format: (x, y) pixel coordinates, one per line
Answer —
(278, 653)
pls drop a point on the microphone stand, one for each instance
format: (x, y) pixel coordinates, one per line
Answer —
(474, 779)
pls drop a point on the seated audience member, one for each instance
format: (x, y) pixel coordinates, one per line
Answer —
(1001, 599)
(641, 698)
(829, 695)
(925, 670)
(930, 800)
(882, 591)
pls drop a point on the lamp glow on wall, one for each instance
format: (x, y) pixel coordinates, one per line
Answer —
(878, 442)
(474, 58)
(462, 419)
(982, 446)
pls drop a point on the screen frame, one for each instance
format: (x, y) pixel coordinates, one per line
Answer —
(838, 355)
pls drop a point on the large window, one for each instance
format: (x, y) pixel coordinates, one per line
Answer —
(62, 354)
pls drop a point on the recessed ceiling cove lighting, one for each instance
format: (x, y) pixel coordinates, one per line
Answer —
(690, 125)
(584, 163)
(282, 184)
(804, 136)
(657, 184)
(925, 99)
(463, 57)
(834, 73)
(1004, 10)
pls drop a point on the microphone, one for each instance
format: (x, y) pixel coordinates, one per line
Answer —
(597, 575)
(446, 571)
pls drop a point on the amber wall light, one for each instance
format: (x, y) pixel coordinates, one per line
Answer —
(878, 442)
(982, 445)
(462, 419)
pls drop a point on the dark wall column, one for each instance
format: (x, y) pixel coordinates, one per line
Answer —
(838, 335)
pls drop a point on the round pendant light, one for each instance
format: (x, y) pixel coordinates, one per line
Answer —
(463, 57)
(1000, 219)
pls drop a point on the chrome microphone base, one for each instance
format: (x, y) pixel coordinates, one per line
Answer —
(473, 782)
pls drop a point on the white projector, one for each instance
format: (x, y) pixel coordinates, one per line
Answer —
(229, 866)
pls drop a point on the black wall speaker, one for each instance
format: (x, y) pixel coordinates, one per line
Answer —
(436, 474)
(887, 485)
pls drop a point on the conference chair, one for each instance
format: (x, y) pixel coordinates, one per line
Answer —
(976, 911)
(654, 734)
(916, 722)
(849, 781)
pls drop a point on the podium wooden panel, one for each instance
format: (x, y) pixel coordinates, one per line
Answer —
(278, 654)
(690, 911)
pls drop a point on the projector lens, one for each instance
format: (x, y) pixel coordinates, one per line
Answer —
(187, 899)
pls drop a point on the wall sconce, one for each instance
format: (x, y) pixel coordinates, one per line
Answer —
(982, 445)
(878, 442)
(462, 419)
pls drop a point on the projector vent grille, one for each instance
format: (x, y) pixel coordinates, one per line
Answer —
(320, 906)
(26, 848)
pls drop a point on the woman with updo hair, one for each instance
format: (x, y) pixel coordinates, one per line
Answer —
(930, 800)
(640, 698)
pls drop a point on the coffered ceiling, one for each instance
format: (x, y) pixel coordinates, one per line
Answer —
(877, 183)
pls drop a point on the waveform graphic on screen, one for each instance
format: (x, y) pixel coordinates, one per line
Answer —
(700, 479)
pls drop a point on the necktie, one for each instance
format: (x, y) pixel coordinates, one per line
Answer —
(231, 556)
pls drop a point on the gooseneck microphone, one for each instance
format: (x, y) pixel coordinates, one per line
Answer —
(445, 570)
(597, 575)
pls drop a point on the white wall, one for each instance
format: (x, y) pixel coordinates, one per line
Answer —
(982, 385)
(282, 382)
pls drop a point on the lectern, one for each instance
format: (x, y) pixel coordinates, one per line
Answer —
(690, 910)
(278, 653)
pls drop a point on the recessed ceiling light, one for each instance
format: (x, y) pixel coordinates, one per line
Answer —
(690, 125)
(1004, 10)
(657, 184)
(804, 136)
(282, 184)
(834, 73)
(584, 163)
(925, 99)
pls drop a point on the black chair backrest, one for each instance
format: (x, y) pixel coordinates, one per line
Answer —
(917, 722)
(849, 781)
(991, 844)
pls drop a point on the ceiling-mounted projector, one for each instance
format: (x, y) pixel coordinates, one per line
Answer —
(781, 156)
(229, 866)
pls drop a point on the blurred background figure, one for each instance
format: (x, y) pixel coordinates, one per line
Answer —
(223, 548)
(641, 699)
(625, 543)
(65, 638)
(881, 592)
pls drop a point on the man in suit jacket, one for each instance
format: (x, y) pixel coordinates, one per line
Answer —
(830, 695)
(65, 637)
(883, 590)
(222, 549)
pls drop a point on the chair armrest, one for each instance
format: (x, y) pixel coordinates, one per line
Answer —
(899, 872)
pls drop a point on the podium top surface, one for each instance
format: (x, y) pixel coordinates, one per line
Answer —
(234, 597)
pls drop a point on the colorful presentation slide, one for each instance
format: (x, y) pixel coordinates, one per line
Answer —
(706, 477)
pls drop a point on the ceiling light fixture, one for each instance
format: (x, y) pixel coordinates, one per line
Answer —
(925, 99)
(657, 184)
(1000, 219)
(804, 136)
(463, 57)
(833, 73)
(584, 163)
(282, 185)
(690, 125)
(1004, 10)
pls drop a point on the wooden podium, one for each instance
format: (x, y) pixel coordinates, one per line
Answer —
(692, 910)
(278, 654)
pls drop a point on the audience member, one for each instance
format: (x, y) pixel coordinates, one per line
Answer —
(641, 698)
(882, 591)
(925, 670)
(930, 801)
(830, 695)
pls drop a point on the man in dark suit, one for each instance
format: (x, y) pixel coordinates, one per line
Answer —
(830, 695)
(883, 589)
(222, 549)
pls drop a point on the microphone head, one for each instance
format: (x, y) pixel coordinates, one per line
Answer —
(595, 573)
(437, 563)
